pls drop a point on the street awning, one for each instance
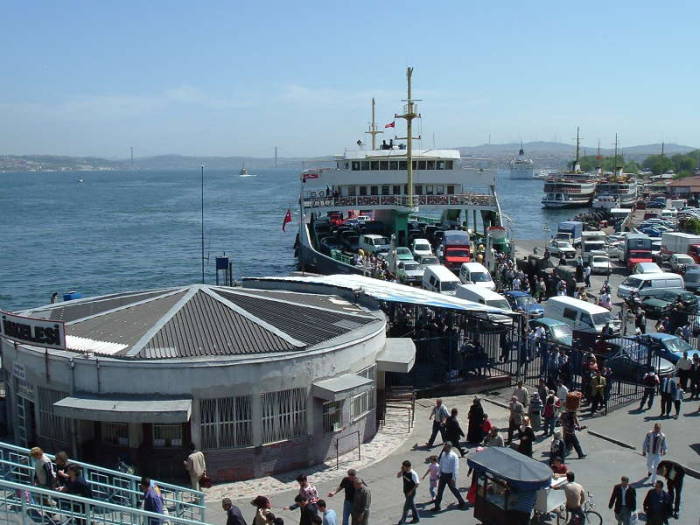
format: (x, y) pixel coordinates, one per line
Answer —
(399, 355)
(340, 387)
(124, 409)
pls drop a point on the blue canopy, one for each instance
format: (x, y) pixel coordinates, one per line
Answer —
(520, 471)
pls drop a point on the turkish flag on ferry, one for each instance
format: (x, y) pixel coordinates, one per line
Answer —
(287, 218)
(390, 125)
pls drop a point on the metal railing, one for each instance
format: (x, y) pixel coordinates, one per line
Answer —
(107, 485)
(23, 504)
(462, 199)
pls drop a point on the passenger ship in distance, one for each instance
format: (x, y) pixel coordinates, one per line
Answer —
(570, 189)
(521, 167)
(388, 187)
(618, 191)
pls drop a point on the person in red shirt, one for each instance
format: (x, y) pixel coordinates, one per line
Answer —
(559, 469)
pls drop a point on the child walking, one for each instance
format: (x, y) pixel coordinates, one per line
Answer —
(434, 471)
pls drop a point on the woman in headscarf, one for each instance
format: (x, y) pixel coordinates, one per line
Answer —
(476, 420)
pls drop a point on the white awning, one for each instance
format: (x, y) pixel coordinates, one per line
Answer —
(399, 355)
(124, 409)
(340, 387)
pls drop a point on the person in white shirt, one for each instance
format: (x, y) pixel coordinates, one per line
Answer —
(449, 469)
(562, 391)
(684, 365)
(653, 448)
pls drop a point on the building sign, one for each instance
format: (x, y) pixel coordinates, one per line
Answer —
(19, 372)
(35, 332)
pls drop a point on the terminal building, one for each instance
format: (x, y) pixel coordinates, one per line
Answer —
(262, 380)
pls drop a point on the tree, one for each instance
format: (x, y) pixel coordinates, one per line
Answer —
(658, 164)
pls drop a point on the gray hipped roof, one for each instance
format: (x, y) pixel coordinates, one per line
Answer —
(201, 320)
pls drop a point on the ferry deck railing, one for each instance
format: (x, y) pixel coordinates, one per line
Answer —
(107, 485)
(28, 505)
(462, 199)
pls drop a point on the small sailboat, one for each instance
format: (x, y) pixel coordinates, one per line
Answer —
(244, 172)
(81, 180)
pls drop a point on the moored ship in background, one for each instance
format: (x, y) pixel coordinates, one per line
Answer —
(522, 167)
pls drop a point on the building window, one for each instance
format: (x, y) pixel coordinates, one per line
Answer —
(397, 189)
(116, 434)
(332, 416)
(226, 422)
(385, 189)
(362, 403)
(283, 414)
(355, 166)
(393, 165)
(167, 436)
(50, 425)
(365, 165)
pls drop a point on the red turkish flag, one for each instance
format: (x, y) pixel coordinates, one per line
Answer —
(390, 125)
(287, 218)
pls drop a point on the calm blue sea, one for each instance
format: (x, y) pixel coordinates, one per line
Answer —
(130, 231)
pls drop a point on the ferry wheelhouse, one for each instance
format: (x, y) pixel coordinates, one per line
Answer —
(386, 190)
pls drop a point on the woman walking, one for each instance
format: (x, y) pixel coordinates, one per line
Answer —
(476, 420)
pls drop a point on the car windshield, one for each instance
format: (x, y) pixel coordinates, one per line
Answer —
(480, 277)
(403, 252)
(423, 247)
(632, 282)
(429, 260)
(524, 301)
(456, 253)
(448, 286)
(498, 303)
(561, 332)
(410, 266)
(677, 345)
(380, 241)
(602, 318)
(600, 259)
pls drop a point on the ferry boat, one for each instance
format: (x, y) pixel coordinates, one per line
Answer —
(521, 167)
(616, 192)
(570, 189)
(244, 172)
(388, 187)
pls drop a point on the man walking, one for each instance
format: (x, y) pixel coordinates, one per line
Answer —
(598, 384)
(569, 425)
(674, 474)
(453, 431)
(449, 469)
(657, 505)
(329, 516)
(651, 383)
(439, 415)
(667, 391)
(623, 501)
(195, 465)
(521, 393)
(410, 484)
(517, 411)
(653, 448)
(361, 503)
(233, 513)
(348, 485)
(575, 495)
(684, 365)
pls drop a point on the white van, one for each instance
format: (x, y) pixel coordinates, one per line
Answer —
(647, 284)
(481, 295)
(579, 314)
(373, 243)
(420, 247)
(477, 274)
(438, 278)
(646, 267)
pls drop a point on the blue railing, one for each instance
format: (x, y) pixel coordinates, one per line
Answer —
(26, 505)
(107, 485)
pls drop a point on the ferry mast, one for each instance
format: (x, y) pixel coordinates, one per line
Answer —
(408, 115)
(373, 129)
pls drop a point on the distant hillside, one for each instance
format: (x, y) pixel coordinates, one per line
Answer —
(554, 148)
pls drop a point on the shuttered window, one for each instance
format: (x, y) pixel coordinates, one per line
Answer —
(50, 425)
(226, 422)
(284, 414)
(366, 401)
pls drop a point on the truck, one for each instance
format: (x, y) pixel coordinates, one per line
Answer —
(637, 250)
(677, 242)
(574, 229)
(454, 249)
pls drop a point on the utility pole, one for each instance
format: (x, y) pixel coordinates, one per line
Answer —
(202, 223)
(409, 114)
(373, 129)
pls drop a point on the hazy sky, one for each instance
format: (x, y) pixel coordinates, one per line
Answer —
(238, 77)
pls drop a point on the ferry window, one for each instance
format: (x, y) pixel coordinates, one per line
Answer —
(352, 191)
(421, 164)
(430, 165)
(347, 165)
(429, 189)
(440, 189)
(384, 165)
(403, 165)
(385, 189)
(449, 164)
(374, 165)
(405, 189)
(355, 166)
(415, 165)
(440, 165)
(374, 190)
(365, 165)
(393, 165)
(396, 190)
(450, 189)
(363, 190)
(418, 189)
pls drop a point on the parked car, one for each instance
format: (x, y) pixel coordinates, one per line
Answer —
(656, 204)
(630, 361)
(557, 332)
(662, 304)
(600, 264)
(421, 247)
(679, 262)
(523, 302)
(427, 260)
(409, 272)
(670, 347)
(559, 248)
(692, 278)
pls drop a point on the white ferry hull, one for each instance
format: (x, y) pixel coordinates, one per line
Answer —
(565, 204)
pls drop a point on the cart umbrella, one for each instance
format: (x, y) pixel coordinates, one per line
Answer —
(521, 472)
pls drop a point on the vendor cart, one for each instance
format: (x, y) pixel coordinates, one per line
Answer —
(510, 485)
